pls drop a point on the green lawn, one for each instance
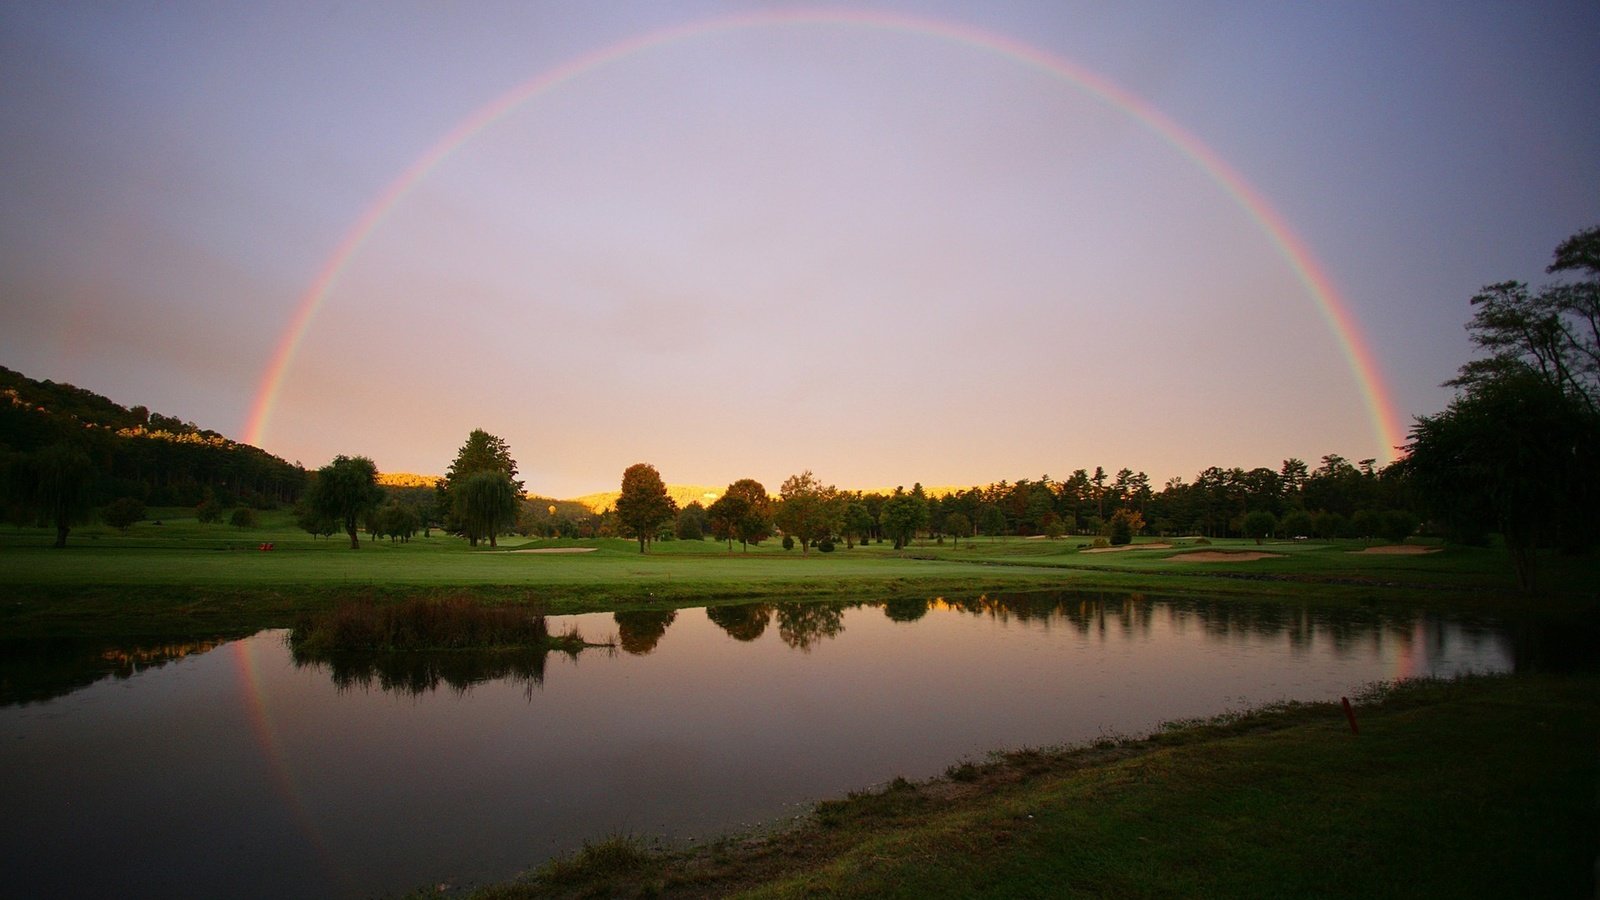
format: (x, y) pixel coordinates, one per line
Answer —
(182, 577)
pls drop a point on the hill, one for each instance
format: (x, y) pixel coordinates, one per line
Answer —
(163, 460)
(682, 494)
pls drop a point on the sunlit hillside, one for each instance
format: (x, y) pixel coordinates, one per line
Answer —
(406, 480)
(681, 494)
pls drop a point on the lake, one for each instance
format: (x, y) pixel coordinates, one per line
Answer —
(227, 768)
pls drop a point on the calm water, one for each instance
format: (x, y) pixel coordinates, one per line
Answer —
(224, 768)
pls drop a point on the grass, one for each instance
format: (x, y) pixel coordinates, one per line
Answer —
(182, 577)
(1478, 788)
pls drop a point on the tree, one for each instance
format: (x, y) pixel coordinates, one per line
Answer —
(51, 487)
(482, 452)
(208, 511)
(807, 509)
(1297, 524)
(957, 526)
(485, 504)
(398, 521)
(1510, 455)
(1259, 525)
(1553, 335)
(1124, 524)
(312, 520)
(344, 491)
(993, 521)
(857, 523)
(123, 512)
(691, 524)
(644, 504)
(242, 518)
(902, 515)
(1518, 449)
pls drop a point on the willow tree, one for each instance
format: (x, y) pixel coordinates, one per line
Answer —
(344, 491)
(485, 504)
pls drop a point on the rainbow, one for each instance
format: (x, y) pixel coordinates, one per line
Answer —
(1335, 312)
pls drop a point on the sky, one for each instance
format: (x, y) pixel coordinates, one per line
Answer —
(887, 242)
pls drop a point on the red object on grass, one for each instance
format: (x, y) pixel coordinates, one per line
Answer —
(1350, 714)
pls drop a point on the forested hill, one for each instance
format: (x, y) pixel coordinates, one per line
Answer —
(163, 460)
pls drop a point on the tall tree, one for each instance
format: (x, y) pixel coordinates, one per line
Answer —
(482, 452)
(644, 504)
(345, 490)
(742, 513)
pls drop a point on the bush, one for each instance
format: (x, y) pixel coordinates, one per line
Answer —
(1259, 524)
(208, 511)
(1396, 525)
(825, 545)
(788, 542)
(123, 512)
(243, 517)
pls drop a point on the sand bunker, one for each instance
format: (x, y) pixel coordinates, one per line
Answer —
(1221, 556)
(1400, 550)
(1129, 547)
(557, 550)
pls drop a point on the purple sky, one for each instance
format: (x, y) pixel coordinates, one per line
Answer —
(864, 251)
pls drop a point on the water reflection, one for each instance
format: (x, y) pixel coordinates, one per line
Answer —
(257, 746)
(33, 671)
(804, 625)
(639, 631)
(742, 621)
(421, 672)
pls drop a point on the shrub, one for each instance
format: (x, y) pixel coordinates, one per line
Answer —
(243, 517)
(123, 512)
(825, 545)
(788, 542)
(208, 511)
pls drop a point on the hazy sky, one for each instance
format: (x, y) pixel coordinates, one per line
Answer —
(882, 252)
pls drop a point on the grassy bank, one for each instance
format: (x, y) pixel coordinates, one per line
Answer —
(1480, 788)
(182, 577)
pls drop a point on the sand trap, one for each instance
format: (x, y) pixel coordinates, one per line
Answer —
(1129, 547)
(557, 550)
(1222, 556)
(1400, 550)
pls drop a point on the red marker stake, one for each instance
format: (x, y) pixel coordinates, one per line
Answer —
(1350, 714)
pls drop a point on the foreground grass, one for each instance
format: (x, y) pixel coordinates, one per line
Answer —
(1478, 788)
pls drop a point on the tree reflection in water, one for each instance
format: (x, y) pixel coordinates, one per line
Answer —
(419, 672)
(742, 621)
(639, 631)
(803, 625)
